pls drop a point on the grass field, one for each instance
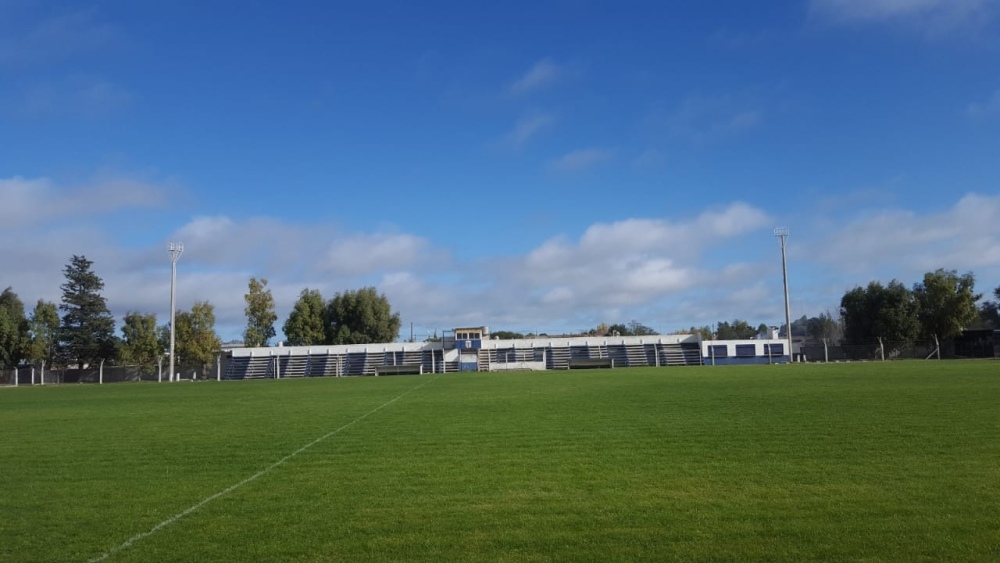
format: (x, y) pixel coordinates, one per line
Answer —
(860, 462)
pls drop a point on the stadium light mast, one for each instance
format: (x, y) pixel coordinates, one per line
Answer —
(782, 234)
(175, 249)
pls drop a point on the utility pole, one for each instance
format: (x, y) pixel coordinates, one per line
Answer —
(175, 249)
(782, 234)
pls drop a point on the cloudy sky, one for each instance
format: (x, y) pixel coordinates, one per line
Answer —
(543, 165)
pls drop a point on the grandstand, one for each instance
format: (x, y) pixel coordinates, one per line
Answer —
(472, 350)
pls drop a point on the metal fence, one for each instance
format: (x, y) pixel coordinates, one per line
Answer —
(38, 375)
(886, 350)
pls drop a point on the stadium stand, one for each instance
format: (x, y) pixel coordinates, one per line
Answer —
(473, 350)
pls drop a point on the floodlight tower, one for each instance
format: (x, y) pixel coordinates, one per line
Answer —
(782, 234)
(175, 249)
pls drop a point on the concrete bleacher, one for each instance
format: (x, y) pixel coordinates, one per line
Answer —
(597, 351)
(292, 366)
(635, 355)
(248, 368)
(434, 357)
(617, 353)
(323, 365)
(558, 358)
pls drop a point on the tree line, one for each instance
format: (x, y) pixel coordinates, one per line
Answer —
(80, 330)
(942, 305)
(84, 333)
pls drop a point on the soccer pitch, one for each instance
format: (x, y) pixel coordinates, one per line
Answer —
(845, 462)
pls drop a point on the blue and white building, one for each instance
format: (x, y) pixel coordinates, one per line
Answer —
(470, 349)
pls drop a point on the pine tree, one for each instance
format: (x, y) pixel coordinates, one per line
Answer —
(87, 332)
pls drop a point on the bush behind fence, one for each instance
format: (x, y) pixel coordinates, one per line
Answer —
(27, 375)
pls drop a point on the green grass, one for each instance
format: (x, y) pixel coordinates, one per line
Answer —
(860, 462)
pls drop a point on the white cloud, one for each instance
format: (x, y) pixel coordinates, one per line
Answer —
(205, 228)
(877, 10)
(360, 254)
(24, 201)
(668, 273)
(43, 223)
(617, 267)
(431, 304)
(315, 250)
(633, 261)
(990, 107)
(930, 16)
(905, 243)
(526, 128)
(580, 159)
(542, 74)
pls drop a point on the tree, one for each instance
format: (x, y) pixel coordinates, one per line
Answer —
(619, 329)
(87, 331)
(633, 328)
(705, 332)
(989, 312)
(738, 330)
(141, 345)
(857, 308)
(360, 317)
(876, 311)
(260, 314)
(824, 327)
(13, 330)
(195, 341)
(600, 330)
(639, 329)
(506, 335)
(43, 327)
(800, 327)
(947, 302)
(304, 326)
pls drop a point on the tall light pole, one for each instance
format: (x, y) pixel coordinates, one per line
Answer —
(782, 234)
(175, 249)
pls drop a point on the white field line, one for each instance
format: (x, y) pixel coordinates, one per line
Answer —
(136, 538)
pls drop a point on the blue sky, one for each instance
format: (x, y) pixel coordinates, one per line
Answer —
(534, 166)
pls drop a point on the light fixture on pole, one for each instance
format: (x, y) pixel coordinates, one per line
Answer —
(175, 249)
(782, 234)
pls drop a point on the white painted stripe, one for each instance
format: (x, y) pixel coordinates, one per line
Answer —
(131, 541)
